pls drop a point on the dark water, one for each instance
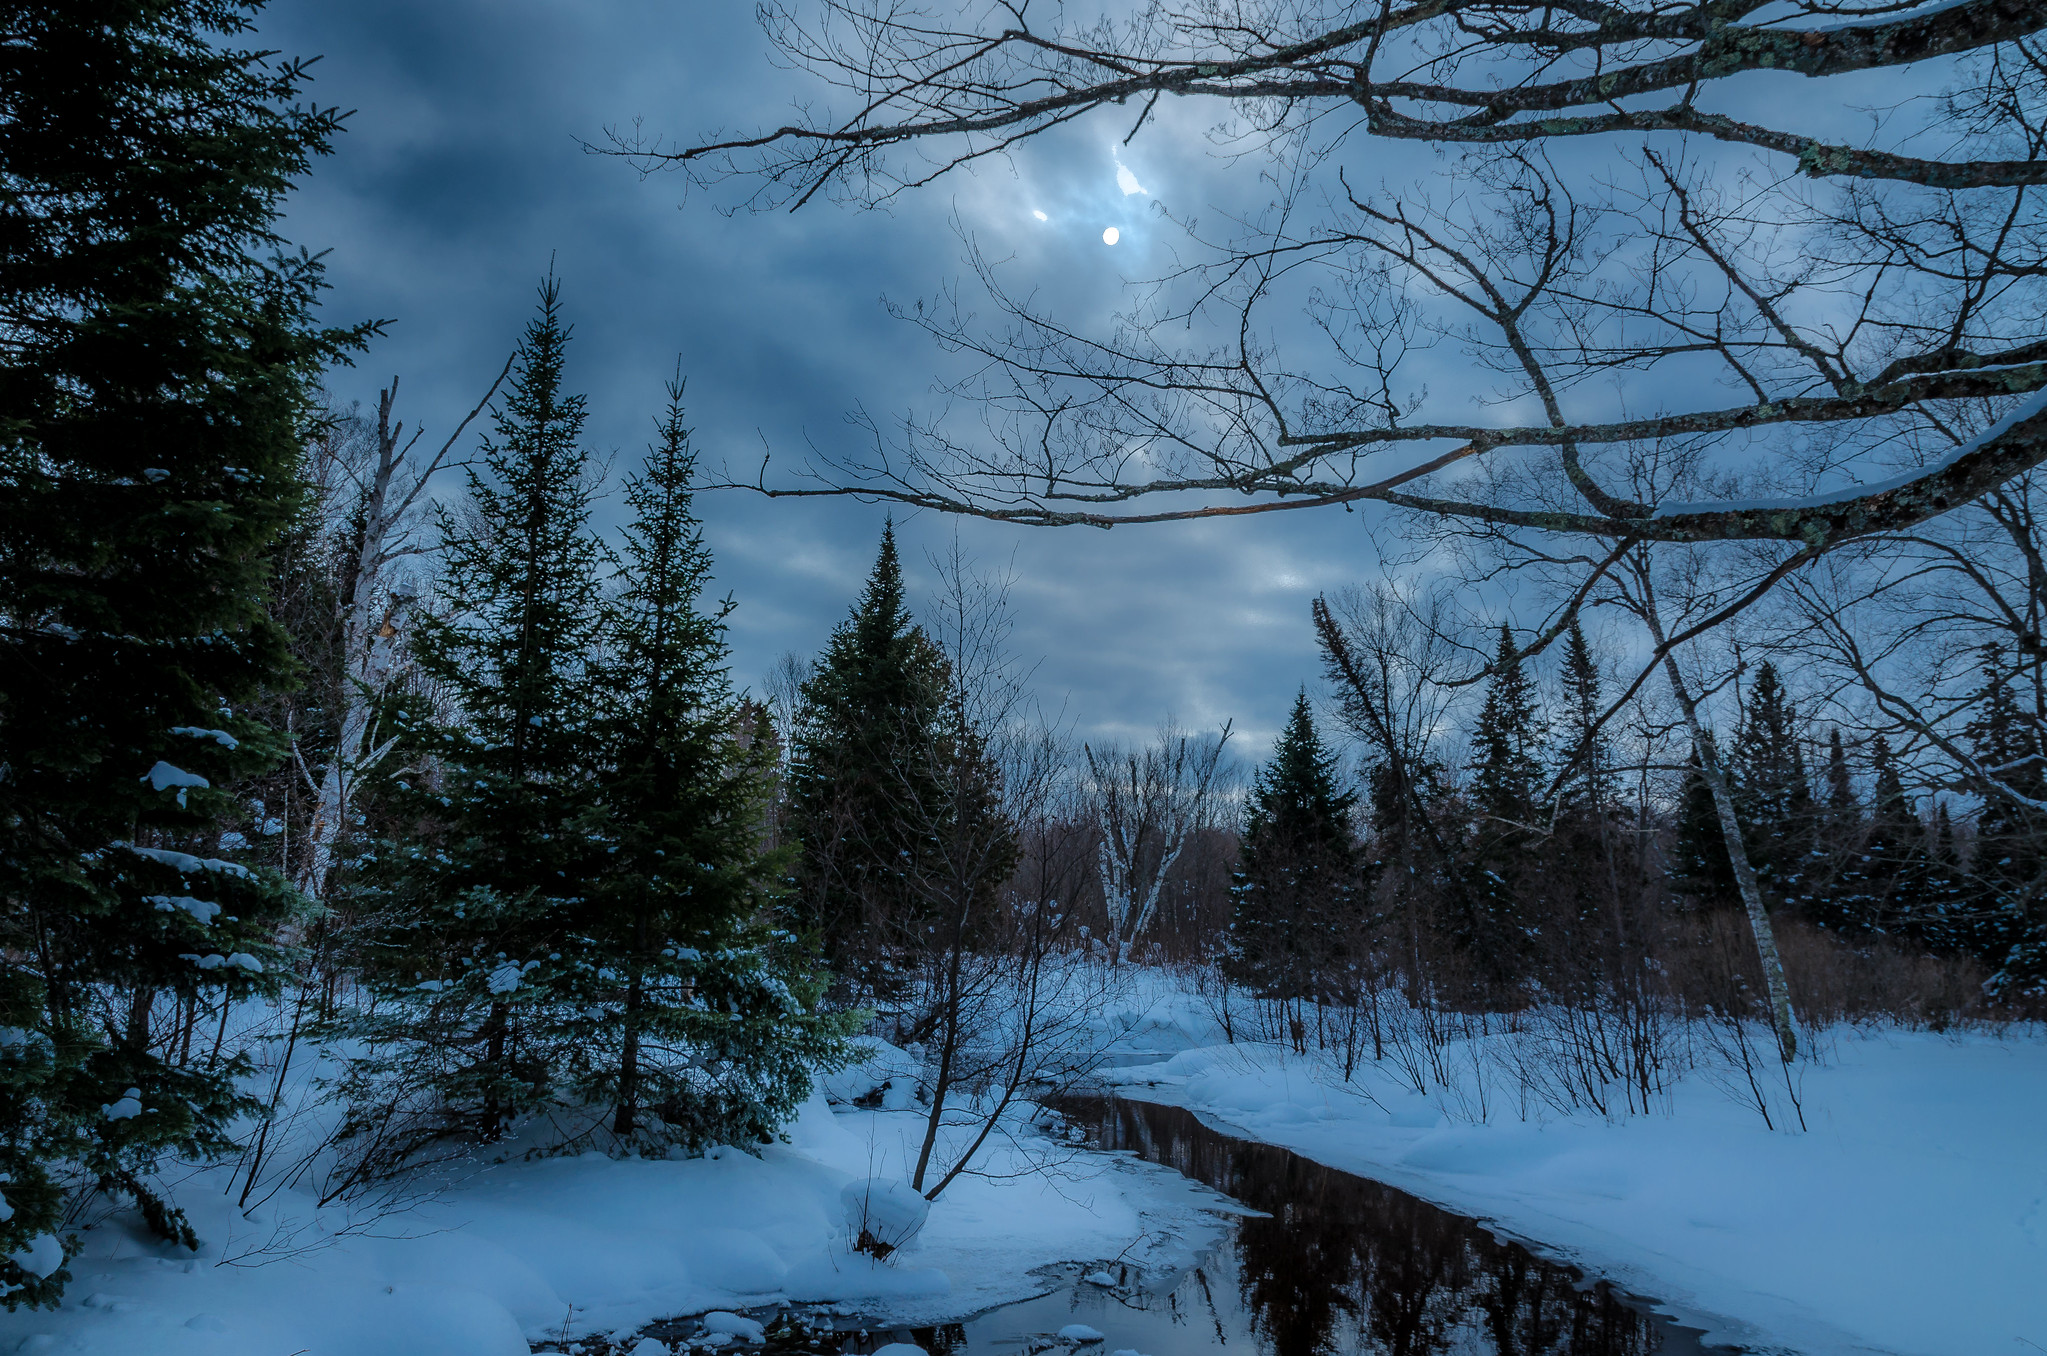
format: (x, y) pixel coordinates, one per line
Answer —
(1337, 1265)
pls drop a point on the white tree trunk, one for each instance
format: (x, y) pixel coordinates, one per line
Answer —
(1737, 851)
(394, 487)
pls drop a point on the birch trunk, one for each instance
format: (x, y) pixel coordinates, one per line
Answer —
(1737, 851)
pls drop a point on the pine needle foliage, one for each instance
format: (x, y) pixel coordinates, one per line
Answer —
(861, 782)
(475, 918)
(1296, 893)
(1773, 795)
(1506, 789)
(694, 1016)
(155, 383)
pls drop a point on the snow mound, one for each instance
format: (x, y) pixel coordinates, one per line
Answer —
(901, 1349)
(733, 1325)
(1099, 1278)
(43, 1255)
(1080, 1333)
(883, 1215)
(649, 1346)
(879, 1073)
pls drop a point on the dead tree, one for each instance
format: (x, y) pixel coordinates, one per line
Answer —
(1147, 803)
(372, 493)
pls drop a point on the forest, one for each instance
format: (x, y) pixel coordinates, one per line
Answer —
(326, 743)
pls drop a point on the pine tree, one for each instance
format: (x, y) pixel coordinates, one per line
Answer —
(480, 914)
(1588, 785)
(860, 781)
(1941, 896)
(1295, 898)
(1701, 871)
(2007, 918)
(1506, 785)
(1842, 808)
(1844, 895)
(160, 362)
(693, 1018)
(1771, 790)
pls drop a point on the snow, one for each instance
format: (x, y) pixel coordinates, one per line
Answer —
(164, 776)
(506, 1254)
(204, 910)
(877, 1071)
(1910, 1218)
(126, 1107)
(1079, 1332)
(901, 1349)
(733, 1325)
(43, 1255)
(185, 862)
(889, 1211)
(220, 737)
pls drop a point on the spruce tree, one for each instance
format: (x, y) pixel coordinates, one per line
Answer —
(1701, 871)
(1295, 897)
(693, 1017)
(1771, 789)
(478, 915)
(860, 781)
(1506, 785)
(1588, 785)
(158, 372)
(1843, 811)
(1851, 889)
(2006, 915)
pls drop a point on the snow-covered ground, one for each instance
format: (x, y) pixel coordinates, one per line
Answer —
(521, 1251)
(1911, 1218)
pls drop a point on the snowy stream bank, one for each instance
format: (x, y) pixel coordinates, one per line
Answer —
(1910, 1219)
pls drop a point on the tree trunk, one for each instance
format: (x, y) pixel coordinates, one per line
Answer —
(627, 1119)
(1737, 851)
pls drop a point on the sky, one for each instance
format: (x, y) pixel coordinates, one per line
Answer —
(463, 176)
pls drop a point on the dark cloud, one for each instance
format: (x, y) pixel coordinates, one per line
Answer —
(464, 174)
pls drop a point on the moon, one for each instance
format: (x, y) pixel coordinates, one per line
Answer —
(1111, 236)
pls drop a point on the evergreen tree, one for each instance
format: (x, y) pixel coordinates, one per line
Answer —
(1842, 808)
(2007, 915)
(158, 369)
(861, 788)
(1772, 793)
(1295, 894)
(1588, 785)
(1701, 871)
(1940, 896)
(693, 1019)
(1506, 786)
(479, 915)
(1843, 892)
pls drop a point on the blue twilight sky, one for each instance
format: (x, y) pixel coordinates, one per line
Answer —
(462, 173)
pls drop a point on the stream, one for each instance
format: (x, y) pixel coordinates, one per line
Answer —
(1333, 1264)
(1323, 1263)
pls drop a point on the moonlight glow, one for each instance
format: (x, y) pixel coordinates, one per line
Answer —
(1111, 236)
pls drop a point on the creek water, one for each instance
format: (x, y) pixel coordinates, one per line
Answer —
(1333, 1264)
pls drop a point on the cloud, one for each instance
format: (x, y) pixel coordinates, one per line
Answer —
(463, 173)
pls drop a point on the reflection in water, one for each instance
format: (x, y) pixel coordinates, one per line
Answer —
(1339, 1264)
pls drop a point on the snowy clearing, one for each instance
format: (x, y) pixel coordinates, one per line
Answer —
(519, 1251)
(1911, 1219)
